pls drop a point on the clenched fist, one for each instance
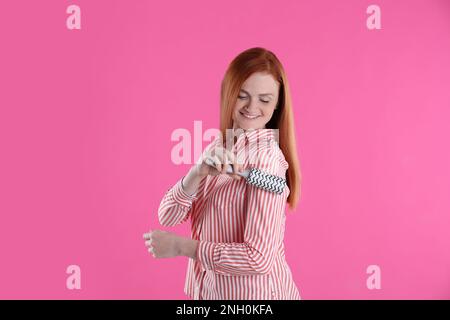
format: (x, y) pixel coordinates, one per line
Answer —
(162, 244)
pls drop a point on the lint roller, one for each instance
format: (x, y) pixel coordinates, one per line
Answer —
(258, 178)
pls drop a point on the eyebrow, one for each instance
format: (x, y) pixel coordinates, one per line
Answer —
(261, 94)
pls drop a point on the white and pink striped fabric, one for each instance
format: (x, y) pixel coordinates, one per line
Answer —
(240, 228)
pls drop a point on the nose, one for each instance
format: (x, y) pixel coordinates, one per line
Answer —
(252, 106)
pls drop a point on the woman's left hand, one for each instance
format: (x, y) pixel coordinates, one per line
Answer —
(162, 244)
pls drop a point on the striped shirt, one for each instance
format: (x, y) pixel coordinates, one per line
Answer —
(240, 228)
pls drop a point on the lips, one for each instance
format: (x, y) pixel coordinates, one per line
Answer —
(249, 116)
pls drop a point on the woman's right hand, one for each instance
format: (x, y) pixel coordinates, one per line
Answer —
(222, 158)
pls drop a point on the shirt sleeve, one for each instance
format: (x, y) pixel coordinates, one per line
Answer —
(265, 218)
(177, 205)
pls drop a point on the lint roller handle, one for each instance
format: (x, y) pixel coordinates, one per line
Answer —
(230, 168)
(258, 178)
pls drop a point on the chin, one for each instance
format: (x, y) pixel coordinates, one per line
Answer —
(249, 127)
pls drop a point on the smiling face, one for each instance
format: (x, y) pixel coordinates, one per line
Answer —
(256, 102)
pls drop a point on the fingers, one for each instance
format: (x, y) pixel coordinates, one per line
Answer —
(221, 153)
(223, 159)
(216, 160)
(152, 251)
(218, 163)
(209, 160)
(147, 236)
(149, 243)
(225, 166)
(148, 239)
(231, 159)
(236, 166)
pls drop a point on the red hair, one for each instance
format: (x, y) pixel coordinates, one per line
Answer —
(245, 64)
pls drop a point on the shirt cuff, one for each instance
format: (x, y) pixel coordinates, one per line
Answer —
(181, 196)
(206, 254)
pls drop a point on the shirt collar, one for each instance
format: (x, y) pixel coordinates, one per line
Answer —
(254, 135)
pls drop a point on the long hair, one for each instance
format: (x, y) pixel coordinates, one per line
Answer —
(241, 67)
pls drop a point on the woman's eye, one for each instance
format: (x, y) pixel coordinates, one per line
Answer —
(241, 97)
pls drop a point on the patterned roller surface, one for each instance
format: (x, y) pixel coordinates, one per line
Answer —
(266, 181)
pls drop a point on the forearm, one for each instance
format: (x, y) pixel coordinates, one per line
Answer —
(191, 181)
(250, 260)
(235, 258)
(187, 247)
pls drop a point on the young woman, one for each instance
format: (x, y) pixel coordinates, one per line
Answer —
(237, 249)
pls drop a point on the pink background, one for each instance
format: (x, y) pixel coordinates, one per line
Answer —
(86, 119)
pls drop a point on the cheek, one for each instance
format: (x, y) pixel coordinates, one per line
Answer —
(238, 107)
(236, 110)
(268, 112)
(235, 113)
